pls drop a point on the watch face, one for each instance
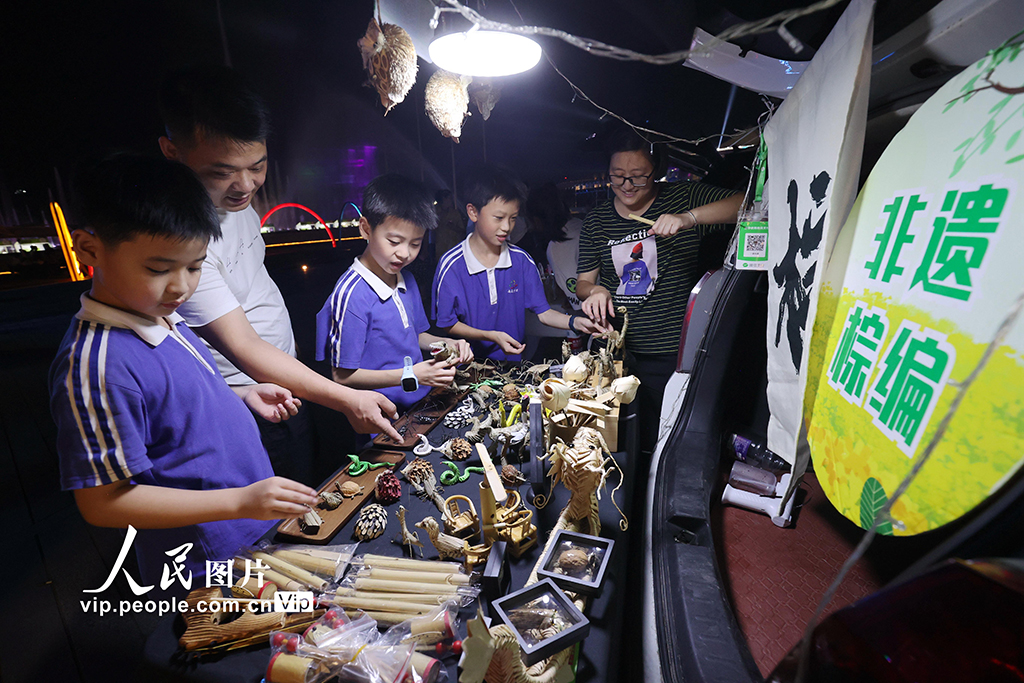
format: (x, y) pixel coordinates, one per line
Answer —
(410, 383)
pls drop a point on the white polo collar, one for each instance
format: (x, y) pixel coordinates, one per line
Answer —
(473, 263)
(380, 288)
(150, 332)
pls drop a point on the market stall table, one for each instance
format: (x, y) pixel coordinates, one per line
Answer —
(598, 659)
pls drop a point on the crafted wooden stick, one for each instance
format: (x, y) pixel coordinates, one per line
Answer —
(383, 618)
(406, 563)
(493, 480)
(645, 221)
(418, 577)
(433, 600)
(404, 587)
(291, 570)
(283, 582)
(365, 603)
(320, 565)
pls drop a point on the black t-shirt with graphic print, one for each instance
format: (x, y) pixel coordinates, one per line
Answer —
(650, 276)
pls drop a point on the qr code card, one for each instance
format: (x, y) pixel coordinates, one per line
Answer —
(752, 251)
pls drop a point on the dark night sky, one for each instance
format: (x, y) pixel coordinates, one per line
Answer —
(80, 78)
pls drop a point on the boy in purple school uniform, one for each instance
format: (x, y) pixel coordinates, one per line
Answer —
(374, 318)
(483, 286)
(149, 433)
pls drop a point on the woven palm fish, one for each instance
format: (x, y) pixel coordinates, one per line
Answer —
(447, 102)
(389, 58)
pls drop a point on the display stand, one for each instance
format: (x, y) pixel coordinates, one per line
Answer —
(599, 654)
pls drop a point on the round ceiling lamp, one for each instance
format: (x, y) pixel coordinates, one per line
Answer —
(485, 53)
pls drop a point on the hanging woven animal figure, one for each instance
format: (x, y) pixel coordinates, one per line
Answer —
(389, 58)
(580, 467)
(447, 102)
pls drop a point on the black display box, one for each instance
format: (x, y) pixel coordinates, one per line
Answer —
(532, 611)
(496, 578)
(577, 576)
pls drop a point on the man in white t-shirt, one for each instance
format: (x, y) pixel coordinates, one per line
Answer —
(217, 126)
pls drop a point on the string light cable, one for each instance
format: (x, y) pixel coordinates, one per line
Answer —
(776, 22)
(651, 136)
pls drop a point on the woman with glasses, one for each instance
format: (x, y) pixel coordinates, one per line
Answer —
(649, 270)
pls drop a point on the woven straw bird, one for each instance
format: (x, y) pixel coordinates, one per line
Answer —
(447, 102)
(389, 58)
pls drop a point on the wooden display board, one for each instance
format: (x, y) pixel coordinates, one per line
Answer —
(339, 517)
(421, 418)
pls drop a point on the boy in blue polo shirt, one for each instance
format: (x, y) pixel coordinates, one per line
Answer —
(483, 286)
(149, 434)
(373, 327)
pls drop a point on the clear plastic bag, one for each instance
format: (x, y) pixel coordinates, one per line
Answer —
(293, 567)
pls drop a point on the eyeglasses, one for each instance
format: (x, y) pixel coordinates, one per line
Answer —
(634, 180)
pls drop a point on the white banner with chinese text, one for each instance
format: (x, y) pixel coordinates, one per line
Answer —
(815, 141)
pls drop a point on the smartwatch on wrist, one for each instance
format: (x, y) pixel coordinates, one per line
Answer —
(409, 381)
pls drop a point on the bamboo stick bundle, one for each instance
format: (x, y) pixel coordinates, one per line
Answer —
(415, 576)
(432, 600)
(382, 618)
(374, 604)
(288, 569)
(386, 562)
(315, 563)
(404, 587)
(283, 582)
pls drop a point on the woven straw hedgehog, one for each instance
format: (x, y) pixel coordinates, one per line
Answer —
(389, 58)
(447, 102)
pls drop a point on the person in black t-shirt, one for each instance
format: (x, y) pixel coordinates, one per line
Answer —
(649, 270)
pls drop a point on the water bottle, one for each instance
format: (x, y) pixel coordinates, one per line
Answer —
(756, 454)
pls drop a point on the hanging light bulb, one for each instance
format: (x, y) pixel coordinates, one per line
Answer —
(484, 53)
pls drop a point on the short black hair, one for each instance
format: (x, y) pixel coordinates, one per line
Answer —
(494, 182)
(548, 213)
(128, 194)
(395, 195)
(624, 139)
(213, 101)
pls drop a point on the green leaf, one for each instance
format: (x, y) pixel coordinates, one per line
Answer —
(1009, 143)
(873, 499)
(957, 165)
(988, 137)
(960, 146)
(1015, 159)
(998, 106)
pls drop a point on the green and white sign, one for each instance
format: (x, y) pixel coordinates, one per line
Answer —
(926, 270)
